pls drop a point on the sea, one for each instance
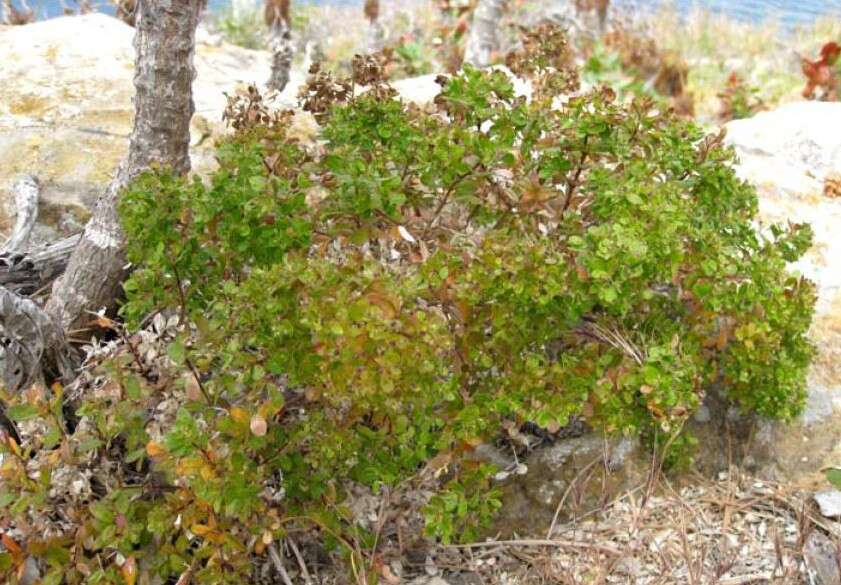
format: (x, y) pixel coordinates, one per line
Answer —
(787, 12)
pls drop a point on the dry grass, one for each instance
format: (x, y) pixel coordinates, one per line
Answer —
(728, 532)
(765, 54)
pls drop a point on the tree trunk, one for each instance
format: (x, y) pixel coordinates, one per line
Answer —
(280, 42)
(483, 40)
(164, 43)
(376, 35)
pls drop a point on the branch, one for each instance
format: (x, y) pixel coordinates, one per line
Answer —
(278, 564)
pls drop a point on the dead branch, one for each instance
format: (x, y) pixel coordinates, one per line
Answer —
(31, 342)
(26, 191)
(26, 273)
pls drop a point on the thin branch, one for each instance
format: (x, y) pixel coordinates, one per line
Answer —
(300, 558)
(571, 544)
(278, 564)
(573, 183)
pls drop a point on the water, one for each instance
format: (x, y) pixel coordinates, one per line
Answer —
(789, 12)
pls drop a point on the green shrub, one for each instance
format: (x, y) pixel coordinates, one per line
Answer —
(369, 308)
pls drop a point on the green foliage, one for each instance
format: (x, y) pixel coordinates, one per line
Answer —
(605, 67)
(241, 23)
(738, 100)
(833, 476)
(370, 308)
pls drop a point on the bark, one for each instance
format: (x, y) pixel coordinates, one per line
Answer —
(280, 42)
(164, 43)
(29, 340)
(24, 271)
(483, 40)
(31, 344)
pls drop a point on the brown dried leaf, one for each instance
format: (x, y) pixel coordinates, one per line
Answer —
(258, 425)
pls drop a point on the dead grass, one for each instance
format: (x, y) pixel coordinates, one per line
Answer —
(732, 531)
(765, 54)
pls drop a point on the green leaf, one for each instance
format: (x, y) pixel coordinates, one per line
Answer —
(21, 412)
(176, 351)
(833, 476)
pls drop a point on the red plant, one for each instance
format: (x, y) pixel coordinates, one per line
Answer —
(821, 74)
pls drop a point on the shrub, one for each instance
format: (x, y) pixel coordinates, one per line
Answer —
(369, 308)
(738, 100)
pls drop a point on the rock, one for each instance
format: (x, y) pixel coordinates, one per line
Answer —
(829, 503)
(573, 469)
(66, 109)
(788, 154)
(821, 558)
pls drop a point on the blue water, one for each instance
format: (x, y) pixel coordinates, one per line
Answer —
(789, 12)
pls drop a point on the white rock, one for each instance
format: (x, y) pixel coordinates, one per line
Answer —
(829, 502)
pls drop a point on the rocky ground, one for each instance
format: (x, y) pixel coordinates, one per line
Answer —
(65, 115)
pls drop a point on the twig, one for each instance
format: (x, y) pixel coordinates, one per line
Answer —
(303, 566)
(202, 389)
(278, 564)
(572, 544)
(566, 494)
(745, 579)
(572, 184)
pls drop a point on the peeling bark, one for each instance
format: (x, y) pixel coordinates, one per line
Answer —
(483, 40)
(164, 44)
(280, 42)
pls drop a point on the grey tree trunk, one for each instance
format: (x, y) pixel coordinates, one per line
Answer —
(280, 42)
(483, 39)
(375, 40)
(164, 43)
(282, 49)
